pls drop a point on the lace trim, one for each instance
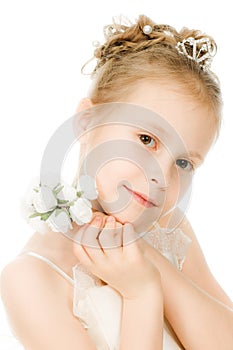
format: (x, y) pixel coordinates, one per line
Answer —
(172, 244)
(83, 280)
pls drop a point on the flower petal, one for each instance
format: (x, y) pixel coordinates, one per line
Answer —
(44, 200)
(59, 221)
(67, 193)
(81, 211)
(88, 185)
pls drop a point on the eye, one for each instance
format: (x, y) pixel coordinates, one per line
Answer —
(148, 140)
(185, 164)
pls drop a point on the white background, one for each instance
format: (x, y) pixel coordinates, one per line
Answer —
(43, 45)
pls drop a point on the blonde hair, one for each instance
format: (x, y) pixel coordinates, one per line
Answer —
(130, 55)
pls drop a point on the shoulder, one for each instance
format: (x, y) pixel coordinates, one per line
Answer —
(39, 313)
(25, 277)
(24, 266)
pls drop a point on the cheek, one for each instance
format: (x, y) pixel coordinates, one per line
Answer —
(179, 186)
(172, 193)
(110, 175)
(172, 196)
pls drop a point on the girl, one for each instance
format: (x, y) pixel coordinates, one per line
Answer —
(116, 278)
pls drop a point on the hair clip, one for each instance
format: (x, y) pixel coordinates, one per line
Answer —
(202, 54)
(113, 29)
(147, 29)
(109, 30)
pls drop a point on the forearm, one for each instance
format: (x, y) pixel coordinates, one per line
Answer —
(142, 322)
(200, 321)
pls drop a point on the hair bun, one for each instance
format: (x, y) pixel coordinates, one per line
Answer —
(122, 37)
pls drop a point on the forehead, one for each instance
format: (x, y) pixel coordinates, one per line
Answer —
(118, 121)
(163, 109)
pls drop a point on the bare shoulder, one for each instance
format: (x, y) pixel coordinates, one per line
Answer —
(26, 277)
(38, 307)
(24, 270)
(196, 267)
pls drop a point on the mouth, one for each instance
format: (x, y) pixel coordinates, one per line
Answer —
(141, 198)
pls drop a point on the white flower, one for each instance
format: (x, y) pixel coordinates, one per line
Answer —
(59, 221)
(87, 184)
(44, 200)
(26, 207)
(39, 225)
(81, 211)
(47, 208)
(67, 193)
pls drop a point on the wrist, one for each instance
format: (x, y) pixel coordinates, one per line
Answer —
(147, 293)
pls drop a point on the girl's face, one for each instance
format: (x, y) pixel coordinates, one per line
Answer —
(169, 168)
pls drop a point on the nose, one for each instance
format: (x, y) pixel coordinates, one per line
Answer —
(162, 170)
(162, 187)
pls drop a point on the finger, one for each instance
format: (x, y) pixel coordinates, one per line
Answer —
(99, 213)
(77, 236)
(105, 237)
(111, 235)
(118, 235)
(80, 252)
(91, 232)
(130, 239)
(86, 237)
(92, 246)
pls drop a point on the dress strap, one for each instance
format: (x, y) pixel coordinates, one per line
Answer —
(49, 262)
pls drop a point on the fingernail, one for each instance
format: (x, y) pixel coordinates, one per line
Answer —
(98, 218)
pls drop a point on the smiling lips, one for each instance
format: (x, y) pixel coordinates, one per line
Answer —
(142, 199)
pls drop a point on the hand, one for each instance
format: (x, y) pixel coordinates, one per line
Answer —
(111, 251)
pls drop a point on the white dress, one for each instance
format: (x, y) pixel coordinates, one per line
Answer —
(99, 307)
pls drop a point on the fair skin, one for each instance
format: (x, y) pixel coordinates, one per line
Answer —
(193, 302)
(186, 118)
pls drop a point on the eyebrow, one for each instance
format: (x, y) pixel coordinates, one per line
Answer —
(195, 155)
(151, 128)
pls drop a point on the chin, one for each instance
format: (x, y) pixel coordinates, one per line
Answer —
(141, 220)
(134, 212)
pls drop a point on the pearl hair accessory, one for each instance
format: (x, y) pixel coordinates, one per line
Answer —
(96, 43)
(147, 29)
(207, 49)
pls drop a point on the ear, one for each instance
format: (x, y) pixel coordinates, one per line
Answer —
(85, 103)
